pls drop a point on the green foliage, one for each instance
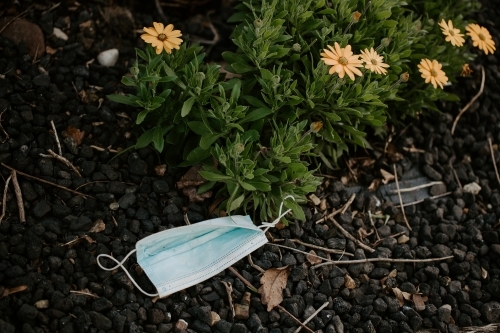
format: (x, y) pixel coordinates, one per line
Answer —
(256, 135)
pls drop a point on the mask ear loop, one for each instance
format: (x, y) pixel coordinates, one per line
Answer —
(268, 225)
(120, 264)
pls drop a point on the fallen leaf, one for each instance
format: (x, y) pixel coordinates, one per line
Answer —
(387, 176)
(74, 133)
(407, 296)
(375, 184)
(42, 304)
(312, 258)
(419, 302)
(391, 274)
(484, 273)
(349, 282)
(273, 282)
(190, 182)
(98, 226)
(9, 291)
(161, 169)
(399, 296)
(393, 153)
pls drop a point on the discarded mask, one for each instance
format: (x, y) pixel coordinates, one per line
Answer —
(178, 258)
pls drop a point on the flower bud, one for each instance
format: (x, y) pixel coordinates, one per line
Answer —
(316, 126)
(355, 17)
(385, 41)
(276, 79)
(134, 70)
(238, 148)
(296, 47)
(466, 71)
(404, 77)
(258, 23)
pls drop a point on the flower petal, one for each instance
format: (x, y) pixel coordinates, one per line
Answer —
(168, 28)
(148, 38)
(158, 27)
(150, 31)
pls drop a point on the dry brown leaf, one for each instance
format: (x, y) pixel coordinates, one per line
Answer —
(391, 274)
(161, 169)
(312, 258)
(399, 296)
(419, 302)
(349, 282)
(387, 176)
(375, 184)
(98, 226)
(393, 153)
(406, 295)
(484, 273)
(189, 183)
(74, 133)
(4, 292)
(273, 282)
(42, 304)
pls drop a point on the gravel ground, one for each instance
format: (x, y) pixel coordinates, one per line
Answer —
(49, 279)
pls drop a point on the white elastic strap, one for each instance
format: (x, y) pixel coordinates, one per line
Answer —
(268, 225)
(120, 264)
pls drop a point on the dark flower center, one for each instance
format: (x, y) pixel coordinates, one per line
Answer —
(481, 37)
(162, 37)
(343, 61)
(434, 73)
(374, 62)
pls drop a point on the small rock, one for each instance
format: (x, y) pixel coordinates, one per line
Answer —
(41, 208)
(156, 316)
(432, 173)
(241, 311)
(100, 321)
(215, 318)
(21, 30)
(472, 188)
(491, 312)
(108, 58)
(437, 189)
(181, 326)
(41, 80)
(27, 312)
(444, 313)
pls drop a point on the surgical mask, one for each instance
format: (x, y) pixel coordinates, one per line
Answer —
(178, 258)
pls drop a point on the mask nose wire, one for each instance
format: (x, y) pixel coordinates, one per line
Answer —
(120, 264)
(268, 225)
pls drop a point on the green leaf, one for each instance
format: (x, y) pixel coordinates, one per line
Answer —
(390, 23)
(328, 11)
(256, 114)
(167, 78)
(383, 15)
(241, 67)
(199, 127)
(153, 63)
(158, 140)
(128, 81)
(297, 211)
(141, 116)
(207, 140)
(235, 93)
(260, 186)
(247, 186)
(236, 203)
(145, 139)
(212, 176)
(250, 136)
(129, 100)
(254, 101)
(141, 54)
(187, 106)
(197, 155)
(206, 187)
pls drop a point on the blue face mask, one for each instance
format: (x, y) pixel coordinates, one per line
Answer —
(179, 258)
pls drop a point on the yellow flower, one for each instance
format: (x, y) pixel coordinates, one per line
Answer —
(452, 35)
(373, 61)
(342, 61)
(431, 72)
(316, 126)
(481, 38)
(466, 71)
(162, 38)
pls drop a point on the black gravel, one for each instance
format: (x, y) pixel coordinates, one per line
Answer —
(53, 255)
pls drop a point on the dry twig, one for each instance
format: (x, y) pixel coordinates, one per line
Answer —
(229, 291)
(348, 235)
(44, 181)
(4, 200)
(294, 319)
(1, 128)
(422, 200)
(19, 197)
(399, 195)
(114, 151)
(362, 261)
(324, 249)
(483, 78)
(57, 137)
(340, 210)
(311, 317)
(15, 18)
(245, 281)
(491, 328)
(493, 159)
(62, 159)
(418, 187)
(83, 293)
(254, 265)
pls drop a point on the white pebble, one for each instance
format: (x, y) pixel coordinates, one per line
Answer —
(108, 58)
(60, 34)
(473, 188)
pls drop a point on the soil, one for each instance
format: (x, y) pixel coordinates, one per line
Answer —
(49, 278)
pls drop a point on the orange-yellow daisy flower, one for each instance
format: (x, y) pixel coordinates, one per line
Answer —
(453, 35)
(162, 37)
(342, 61)
(481, 38)
(373, 61)
(432, 72)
